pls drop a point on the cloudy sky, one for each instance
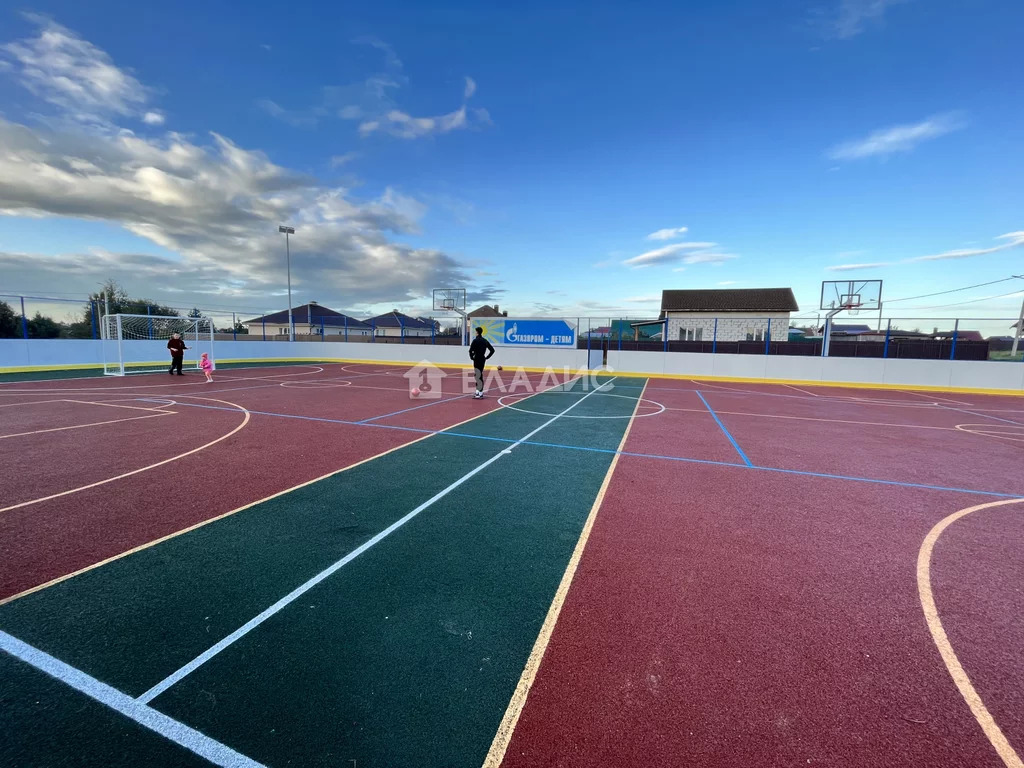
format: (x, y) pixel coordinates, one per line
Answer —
(554, 158)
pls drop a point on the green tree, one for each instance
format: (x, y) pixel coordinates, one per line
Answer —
(195, 313)
(10, 323)
(114, 295)
(40, 327)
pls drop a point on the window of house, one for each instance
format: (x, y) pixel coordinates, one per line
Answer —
(691, 334)
(755, 334)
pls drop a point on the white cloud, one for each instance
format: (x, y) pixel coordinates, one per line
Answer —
(898, 138)
(708, 258)
(667, 234)
(851, 17)
(404, 126)
(339, 160)
(214, 205)
(665, 255)
(851, 267)
(727, 282)
(74, 75)
(1013, 240)
(643, 299)
(372, 103)
(153, 117)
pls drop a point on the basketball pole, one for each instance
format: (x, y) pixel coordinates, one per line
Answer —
(1018, 330)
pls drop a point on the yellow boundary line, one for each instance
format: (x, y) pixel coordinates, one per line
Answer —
(154, 542)
(931, 615)
(515, 707)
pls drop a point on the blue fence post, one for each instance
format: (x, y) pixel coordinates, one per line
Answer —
(714, 338)
(956, 331)
(590, 332)
(149, 324)
(234, 327)
(322, 328)
(346, 327)
(373, 330)
(768, 338)
(24, 318)
(92, 318)
(401, 329)
(433, 327)
(664, 335)
(888, 333)
(621, 321)
(264, 318)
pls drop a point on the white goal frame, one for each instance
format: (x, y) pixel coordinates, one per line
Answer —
(124, 352)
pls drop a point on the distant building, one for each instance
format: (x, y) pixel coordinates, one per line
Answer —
(394, 323)
(488, 311)
(309, 319)
(742, 314)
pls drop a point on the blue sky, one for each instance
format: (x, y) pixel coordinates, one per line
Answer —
(527, 152)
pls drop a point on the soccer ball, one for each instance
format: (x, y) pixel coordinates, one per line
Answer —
(500, 368)
(415, 393)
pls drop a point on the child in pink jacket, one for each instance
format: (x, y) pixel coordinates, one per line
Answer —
(207, 365)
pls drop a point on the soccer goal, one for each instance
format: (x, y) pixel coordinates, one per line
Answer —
(138, 343)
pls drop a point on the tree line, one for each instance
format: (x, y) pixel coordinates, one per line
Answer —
(112, 298)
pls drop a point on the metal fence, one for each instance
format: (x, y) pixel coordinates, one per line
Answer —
(34, 317)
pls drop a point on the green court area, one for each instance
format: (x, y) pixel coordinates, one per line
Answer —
(381, 616)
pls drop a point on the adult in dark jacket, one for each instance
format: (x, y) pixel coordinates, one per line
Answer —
(479, 352)
(177, 347)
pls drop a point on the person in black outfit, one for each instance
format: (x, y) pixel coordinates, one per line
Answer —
(177, 347)
(479, 352)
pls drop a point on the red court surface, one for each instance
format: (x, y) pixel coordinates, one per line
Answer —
(723, 615)
(773, 575)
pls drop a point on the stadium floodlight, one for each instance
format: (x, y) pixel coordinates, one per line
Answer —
(288, 254)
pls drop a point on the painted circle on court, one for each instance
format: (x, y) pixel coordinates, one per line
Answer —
(650, 404)
(1014, 432)
(316, 384)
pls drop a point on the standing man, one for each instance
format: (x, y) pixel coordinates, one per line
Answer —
(479, 352)
(177, 347)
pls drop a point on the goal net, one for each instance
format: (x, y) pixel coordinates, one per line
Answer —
(138, 343)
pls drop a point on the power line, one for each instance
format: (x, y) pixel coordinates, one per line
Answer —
(971, 301)
(954, 290)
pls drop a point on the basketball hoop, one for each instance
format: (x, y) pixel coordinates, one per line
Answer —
(448, 305)
(853, 309)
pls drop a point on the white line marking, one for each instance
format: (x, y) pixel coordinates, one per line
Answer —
(241, 426)
(812, 394)
(146, 716)
(111, 404)
(250, 625)
(93, 424)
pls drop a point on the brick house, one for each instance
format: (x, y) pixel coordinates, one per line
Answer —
(742, 314)
(308, 320)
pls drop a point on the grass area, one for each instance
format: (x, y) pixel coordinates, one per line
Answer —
(1005, 355)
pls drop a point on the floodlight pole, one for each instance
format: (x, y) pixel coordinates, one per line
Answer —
(288, 254)
(1017, 332)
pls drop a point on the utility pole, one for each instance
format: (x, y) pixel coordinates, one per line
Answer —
(1020, 325)
(288, 253)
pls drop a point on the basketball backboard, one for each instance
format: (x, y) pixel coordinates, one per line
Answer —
(450, 300)
(851, 294)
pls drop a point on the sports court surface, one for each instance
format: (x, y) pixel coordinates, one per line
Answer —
(300, 566)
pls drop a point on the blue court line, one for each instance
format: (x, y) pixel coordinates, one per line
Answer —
(611, 451)
(725, 431)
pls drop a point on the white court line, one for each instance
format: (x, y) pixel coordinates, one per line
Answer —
(250, 625)
(93, 424)
(146, 716)
(111, 404)
(933, 397)
(812, 394)
(241, 426)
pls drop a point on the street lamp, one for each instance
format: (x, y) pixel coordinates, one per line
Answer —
(287, 249)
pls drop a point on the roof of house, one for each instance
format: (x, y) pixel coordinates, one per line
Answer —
(730, 300)
(396, 319)
(308, 313)
(488, 311)
(961, 335)
(852, 329)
